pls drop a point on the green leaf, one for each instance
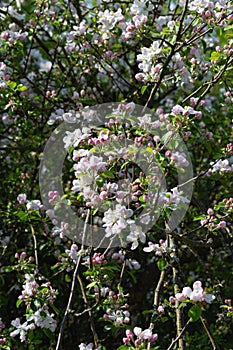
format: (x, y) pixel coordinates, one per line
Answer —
(161, 264)
(109, 174)
(22, 215)
(215, 56)
(21, 87)
(146, 312)
(201, 217)
(18, 302)
(92, 284)
(55, 309)
(99, 182)
(12, 84)
(194, 313)
(143, 89)
(67, 278)
(37, 341)
(107, 328)
(7, 269)
(47, 332)
(220, 205)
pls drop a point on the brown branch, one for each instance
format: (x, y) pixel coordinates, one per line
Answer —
(209, 333)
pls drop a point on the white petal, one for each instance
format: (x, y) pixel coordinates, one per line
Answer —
(137, 331)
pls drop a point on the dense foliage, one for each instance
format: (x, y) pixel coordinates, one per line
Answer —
(119, 236)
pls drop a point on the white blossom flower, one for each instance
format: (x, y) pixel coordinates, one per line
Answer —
(83, 346)
(108, 20)
(43, 319)
(159, 249)
(30, 287)
(146, 334)
(136, 234)
(118, 317)
(172, 199)
(199, 5)
(74, 138)
(197, 294)
(116, 220)
(72, 253)
(34, 205)
(80, 153)
(222, 166)
(140, 7)
(21, 329)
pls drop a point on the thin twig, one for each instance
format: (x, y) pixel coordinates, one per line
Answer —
(176, 290)
(68, 304)
(156, 299)
(85, 311)
(158, 287)
(209, 333)
(72, 287)
(178, 337)
(95, 336)
(35, 246)
(166, 63)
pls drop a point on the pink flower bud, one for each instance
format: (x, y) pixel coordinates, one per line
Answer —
(154, 337)
(22, 197)
(210, 212)
(129, 334)
(227, 301)
(172, 299)
(138, 342)
(160, 309)
(222, 224)
(126, 340)
(23, 255)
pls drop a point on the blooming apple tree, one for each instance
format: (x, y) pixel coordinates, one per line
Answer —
(116, 174)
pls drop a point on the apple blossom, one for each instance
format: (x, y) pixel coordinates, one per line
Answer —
(197, 294)
(21, 329)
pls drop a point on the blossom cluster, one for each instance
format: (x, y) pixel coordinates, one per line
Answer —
(40, 296)
(34, 204)
(221, 166)
(159, 249)
(142, 337)
(195, 295)
(214, 221)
